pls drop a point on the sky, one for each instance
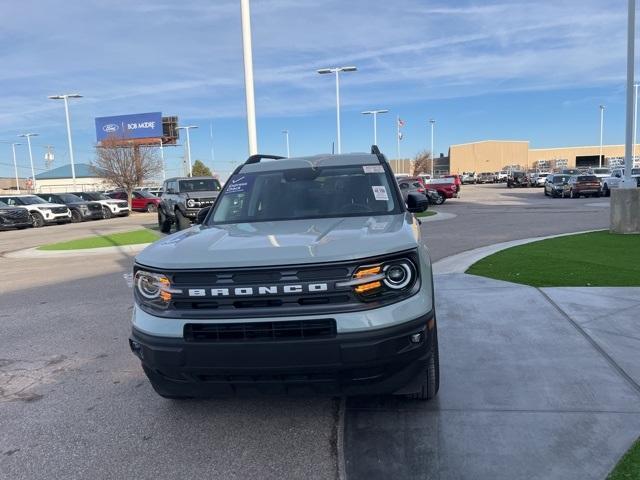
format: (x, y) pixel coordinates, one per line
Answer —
(501, 69)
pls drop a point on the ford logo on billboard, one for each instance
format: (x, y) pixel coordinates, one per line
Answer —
(110, 128)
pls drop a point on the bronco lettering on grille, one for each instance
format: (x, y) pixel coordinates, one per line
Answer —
(259, 290)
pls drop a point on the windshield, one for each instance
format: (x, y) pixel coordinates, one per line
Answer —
(560, 179)
(2, 204)
(92, 196)
(202, 185)
(587, 178)
(294, 194)
(69, 198)
(600, 171)
(635, 171)
(145, 194)
(30, 200)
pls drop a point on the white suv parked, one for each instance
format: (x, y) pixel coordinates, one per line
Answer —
(110, 206)
(41, 211)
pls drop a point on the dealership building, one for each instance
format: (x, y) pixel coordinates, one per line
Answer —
(60, 180)
(497, 155)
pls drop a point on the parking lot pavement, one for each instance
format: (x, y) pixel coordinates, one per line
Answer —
(33, 237)
(525, 393)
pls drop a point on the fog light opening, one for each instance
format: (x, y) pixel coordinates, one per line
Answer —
(416, 337)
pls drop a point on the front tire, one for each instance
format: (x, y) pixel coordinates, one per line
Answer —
(441, 199)
(182, 222)
(605, 190)
(76, 217)
(152, 207)
(37, 220)
(431, 383)
(106, 212)
(163, 222)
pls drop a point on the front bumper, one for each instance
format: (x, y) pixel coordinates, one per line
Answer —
(380, 361)
(91, 215)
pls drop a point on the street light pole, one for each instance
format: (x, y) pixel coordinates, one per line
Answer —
(286, 136)
(33, 173)
(164, 173)
(245, 14)
(433, 153)
(336, 71)
(186, 129)
(635, 117)
(66, 98)
(15, 165)
(375, 122)
(601, 132)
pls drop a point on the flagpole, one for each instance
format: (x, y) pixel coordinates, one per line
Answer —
(398, 138)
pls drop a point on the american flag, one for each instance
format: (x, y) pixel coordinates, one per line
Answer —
(400, 123)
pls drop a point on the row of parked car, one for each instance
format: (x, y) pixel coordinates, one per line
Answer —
(29, 210)
(437, 190)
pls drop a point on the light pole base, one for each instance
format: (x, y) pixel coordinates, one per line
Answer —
(625, 210)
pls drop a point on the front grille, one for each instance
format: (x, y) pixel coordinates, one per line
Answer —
(59, 210)
(260, 331)
(123, 204)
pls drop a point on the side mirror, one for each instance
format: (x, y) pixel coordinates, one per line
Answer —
(417, 203)
(202, 214)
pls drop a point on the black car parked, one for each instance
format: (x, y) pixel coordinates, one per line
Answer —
(183, 198)
(81, 210)
(554, 184)
(14, 217)
(518, 179)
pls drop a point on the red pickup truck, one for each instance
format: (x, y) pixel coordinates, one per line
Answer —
(446, 187)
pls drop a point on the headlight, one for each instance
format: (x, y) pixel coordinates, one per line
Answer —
(153, 289)
(382, 280)
(191, 203)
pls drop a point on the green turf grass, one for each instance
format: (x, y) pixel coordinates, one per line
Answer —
(113, 240)
(426, 213)
(599, 259)
(629, 466)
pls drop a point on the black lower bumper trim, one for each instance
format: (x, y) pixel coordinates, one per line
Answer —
(374, 362)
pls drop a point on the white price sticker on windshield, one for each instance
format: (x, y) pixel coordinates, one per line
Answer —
(380, 192)
(373, 169)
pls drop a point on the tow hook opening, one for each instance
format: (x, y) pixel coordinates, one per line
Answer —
(136, 348)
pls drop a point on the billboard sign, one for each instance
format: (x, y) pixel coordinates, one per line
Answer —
(137, 125)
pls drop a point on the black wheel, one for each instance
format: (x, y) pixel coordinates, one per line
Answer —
(605, 191)
(163, 222)
(37, 220)
(76, 217)
(152, 207)
(441, 199)
(106, 212)
(546, 194)
(163, 387)
(431, 383)
(182, 222)
(572, 194)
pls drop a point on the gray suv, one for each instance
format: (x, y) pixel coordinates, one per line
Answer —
(182, 198)
(307, 274)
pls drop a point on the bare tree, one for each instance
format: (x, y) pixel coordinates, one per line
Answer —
(126, 164)
(422, 163)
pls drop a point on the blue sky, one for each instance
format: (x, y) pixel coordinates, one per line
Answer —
(483, 69)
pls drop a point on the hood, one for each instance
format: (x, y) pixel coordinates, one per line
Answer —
(282, 243)
(203, 194)
(47, 205)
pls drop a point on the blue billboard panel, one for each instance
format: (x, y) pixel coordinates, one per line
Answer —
(137, 125)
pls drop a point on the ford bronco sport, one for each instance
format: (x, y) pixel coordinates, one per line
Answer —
(308, 274)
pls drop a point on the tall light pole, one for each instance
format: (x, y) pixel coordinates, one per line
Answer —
(635, 116)
(245, 13)
(433, 152)
(375, 122)
(33, 172)
(627, 181)
(601, 132)
(66, 98)
(286, 137)
(15, 165)
(186, 128)
(164, 173)
(336, 71)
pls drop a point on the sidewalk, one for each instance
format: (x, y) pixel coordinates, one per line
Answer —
(536, 384)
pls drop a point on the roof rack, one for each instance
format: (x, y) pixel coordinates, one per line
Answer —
(256, 158)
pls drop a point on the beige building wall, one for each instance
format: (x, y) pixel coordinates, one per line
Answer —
(61, 185)
(570, 153)
(488, 156)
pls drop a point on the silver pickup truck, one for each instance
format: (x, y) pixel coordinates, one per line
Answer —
(613, 181)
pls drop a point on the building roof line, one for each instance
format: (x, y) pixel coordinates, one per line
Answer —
(574, 147)
(487, 141)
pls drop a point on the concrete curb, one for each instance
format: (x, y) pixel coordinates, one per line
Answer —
(438, 216)
(460, 262)
(35, 253)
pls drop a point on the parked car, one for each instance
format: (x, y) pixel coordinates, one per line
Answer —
(415, 185)
(42, 212)
(538, 179)
(14, 217)
(582, 185)
(446, 188)
(554, 184)
(141, 200)
(110, 206)
(486, 177)
(502, 176)
(613, 181)
(469, 177)
(601, 173)
(457, 181)
(518, 178)
(81, 210)
(306, 274)
(182, 199)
